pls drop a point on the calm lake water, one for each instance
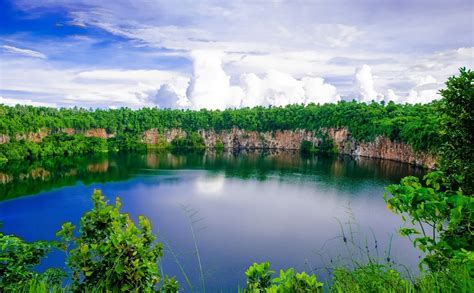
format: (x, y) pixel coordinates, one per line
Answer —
(249, 207)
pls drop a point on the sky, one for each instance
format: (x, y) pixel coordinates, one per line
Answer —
(227, 54)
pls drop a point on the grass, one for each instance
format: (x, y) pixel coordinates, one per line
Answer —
(382, 278)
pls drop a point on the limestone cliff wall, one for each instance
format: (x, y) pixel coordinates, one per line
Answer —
(239, 139)
(381, 147)
(235, 138)
(38, 136)
(33, 136)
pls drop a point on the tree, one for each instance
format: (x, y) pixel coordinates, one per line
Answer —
(457, 108)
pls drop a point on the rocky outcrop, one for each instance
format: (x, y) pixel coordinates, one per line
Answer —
(4, 138)
(33, 136)
(238, 139)
(40, 135)
(97, 132)
(5, 178)
(381, 147)
(68, 131)
(242, 139)
(154, 136)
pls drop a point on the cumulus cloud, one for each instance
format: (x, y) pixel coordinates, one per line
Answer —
(425, 91)
(168, 97)
(23, 52)
(277, 88)
(365, 84)
(392, 96)
(210, 87)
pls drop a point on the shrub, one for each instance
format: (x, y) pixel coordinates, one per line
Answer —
(259, 279)
(110, 251)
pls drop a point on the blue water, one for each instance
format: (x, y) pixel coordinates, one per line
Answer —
(246, 208)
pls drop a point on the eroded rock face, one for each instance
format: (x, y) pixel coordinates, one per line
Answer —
(69, 131)
(5, 178)
(153, 136)
(96, 132)
(33, 136)
(238, 139)
(4, 138)
(382, 147)
(242, 139)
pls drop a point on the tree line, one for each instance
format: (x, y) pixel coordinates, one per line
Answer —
(417, 125)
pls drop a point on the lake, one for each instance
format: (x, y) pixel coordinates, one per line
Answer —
(281, 207)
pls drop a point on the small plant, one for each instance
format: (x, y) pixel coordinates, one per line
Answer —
(170, 285)
(259, 279)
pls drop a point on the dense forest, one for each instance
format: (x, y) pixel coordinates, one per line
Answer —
(417, 125)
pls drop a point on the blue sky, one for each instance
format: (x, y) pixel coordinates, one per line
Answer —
(219, 54)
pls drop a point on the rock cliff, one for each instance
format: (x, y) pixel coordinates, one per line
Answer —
(38, 136)
(239, 139)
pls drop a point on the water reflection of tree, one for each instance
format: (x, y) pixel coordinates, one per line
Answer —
(343, 172)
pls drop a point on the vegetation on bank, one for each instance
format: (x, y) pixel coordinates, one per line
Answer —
(417, 125)
(110, 252)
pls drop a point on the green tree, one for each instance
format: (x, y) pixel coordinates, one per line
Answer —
(457, 108)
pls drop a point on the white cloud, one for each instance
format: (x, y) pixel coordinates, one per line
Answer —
(90, 88)
(210, 86)
(421, 96)
(317, 91)
(392, 96)
(14, 102)
(168, 96)
(365, 84)
(23, 52)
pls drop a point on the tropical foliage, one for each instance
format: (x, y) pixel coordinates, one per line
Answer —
(417, 125)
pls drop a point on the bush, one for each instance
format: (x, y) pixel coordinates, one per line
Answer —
(110, 252)
(259, 279)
